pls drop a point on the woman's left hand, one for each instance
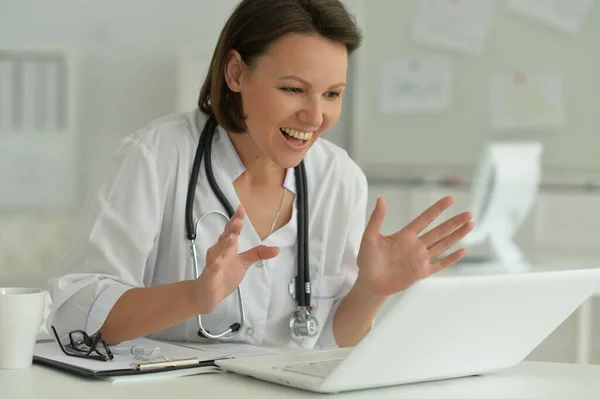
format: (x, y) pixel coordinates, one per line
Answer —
(389, 264)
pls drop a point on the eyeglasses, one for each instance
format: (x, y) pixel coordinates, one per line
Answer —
(85, 346)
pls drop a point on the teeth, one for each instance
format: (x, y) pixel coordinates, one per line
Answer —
(297, 134)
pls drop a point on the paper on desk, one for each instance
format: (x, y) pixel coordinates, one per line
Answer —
(163, 375)
(231, 349)
(122, 360)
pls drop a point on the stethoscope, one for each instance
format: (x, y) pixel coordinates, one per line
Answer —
(302, 323)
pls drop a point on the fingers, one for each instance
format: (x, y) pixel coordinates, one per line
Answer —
(376, 221)
(429, 215)
(222, 249)
(447, 261)
(441, 246)
(443, 230)
(235, 224)
(255, 254)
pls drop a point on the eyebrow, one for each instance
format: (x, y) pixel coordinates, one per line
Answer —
(294, 77)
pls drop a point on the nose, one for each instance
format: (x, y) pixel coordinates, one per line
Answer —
(312, 113)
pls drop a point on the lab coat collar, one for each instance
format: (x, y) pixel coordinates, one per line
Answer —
(233, 164)
(232, 167)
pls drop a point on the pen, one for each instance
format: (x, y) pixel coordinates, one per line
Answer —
(166, 363)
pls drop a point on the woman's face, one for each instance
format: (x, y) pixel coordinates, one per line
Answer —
(291, 95)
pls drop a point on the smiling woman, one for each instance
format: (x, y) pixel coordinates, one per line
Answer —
(293, 81)
(274, 88)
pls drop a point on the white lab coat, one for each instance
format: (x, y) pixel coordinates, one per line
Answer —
(133, 235)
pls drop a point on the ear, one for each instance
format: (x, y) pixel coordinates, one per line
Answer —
(234, 70)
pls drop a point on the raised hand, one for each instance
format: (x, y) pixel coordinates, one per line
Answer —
(389, 264)
(225, 268)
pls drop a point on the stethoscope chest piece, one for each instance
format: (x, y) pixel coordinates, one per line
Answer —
(303, 324)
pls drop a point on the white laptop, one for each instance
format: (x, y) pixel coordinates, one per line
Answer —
(449, 325)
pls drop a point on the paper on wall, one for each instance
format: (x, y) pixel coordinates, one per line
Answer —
(527, 101)
(455, 24)
(416, 85)
(567, 15)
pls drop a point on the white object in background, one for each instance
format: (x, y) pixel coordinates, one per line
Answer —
(527, 101)
(415, 85)
(576, 230)
(584, 332)
(567, 15)
(504, 191)
(455, 24)
(30, 88)
(21, 312)
(5, 96)
(191, 72)
(51, 91)
(38, 146)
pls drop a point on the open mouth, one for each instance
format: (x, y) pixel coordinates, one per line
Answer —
(295, 137)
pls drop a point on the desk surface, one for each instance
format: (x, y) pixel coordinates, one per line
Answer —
(526, 381)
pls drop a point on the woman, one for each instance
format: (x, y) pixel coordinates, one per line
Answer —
(275, 86)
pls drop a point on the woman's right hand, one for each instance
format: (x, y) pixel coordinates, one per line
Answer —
(225, 268)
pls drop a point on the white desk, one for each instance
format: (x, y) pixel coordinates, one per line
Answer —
(529, 380)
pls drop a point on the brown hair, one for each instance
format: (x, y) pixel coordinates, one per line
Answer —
(251, 28)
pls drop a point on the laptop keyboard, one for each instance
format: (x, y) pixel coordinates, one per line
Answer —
(321, 368)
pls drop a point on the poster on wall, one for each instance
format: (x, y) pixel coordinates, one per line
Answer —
(527, 101)
(460, 25)
(566, 15)
(416, 85)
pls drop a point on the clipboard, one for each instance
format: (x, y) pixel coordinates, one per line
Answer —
(178, 358)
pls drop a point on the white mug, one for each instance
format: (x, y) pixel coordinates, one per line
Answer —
(21, 314)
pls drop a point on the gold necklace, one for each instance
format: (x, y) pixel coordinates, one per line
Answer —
(278, 212)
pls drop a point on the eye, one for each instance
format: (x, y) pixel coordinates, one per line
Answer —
(293, 90)
(332, 95)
